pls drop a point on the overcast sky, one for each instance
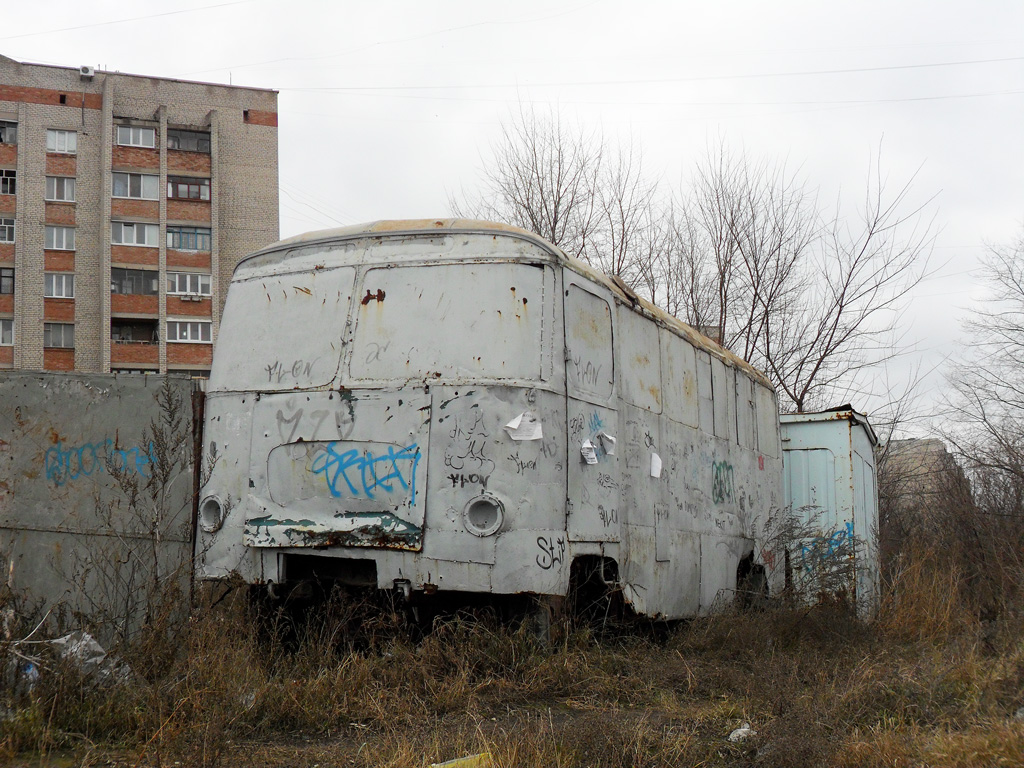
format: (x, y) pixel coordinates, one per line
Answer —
(386, 107)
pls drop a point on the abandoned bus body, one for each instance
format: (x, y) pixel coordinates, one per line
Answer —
(458, 406)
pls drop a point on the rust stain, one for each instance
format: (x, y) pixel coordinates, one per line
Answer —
(54, 437)
(370, 296)
(303, 290)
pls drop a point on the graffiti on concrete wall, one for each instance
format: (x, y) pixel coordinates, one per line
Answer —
(64, 464)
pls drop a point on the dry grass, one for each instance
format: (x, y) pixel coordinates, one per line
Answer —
(927, 684)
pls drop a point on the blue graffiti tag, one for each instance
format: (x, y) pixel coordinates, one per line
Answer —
(595, 424)
(824, 549)
(65, 464)
(370, 472)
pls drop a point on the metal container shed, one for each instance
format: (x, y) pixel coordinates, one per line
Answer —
(830, 484)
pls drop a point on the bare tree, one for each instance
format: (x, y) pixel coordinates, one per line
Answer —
(626, 228)
(544, 178)
(745, 255)
(989, 385)
(808, 298)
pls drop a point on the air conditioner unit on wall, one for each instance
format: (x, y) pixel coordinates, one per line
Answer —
(86, 72)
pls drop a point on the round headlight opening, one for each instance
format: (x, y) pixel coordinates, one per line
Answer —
(484, 515)
(211, 514)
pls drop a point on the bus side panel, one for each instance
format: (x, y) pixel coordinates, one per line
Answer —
(476, 455)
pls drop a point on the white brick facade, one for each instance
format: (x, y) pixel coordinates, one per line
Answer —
(242, 212)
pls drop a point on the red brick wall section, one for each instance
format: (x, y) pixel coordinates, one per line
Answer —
(135, 254)
(188, 210)
(189, 354)
(8, 203)
(49, 96)
(6, 252)
(59, 261)
(191, 162)
(187, 259)
(260, 117)
(134, 304)
(134, 352)
(6, 355)
(179, 306)
(60, 213)
(7, 302)
(135, 209)
(58, 359)
(8, 154)
(61, 165)
(59, 310)
(135, 157)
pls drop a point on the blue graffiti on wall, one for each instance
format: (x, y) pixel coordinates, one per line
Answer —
(64, 464)
(824, 549)
(363, 474)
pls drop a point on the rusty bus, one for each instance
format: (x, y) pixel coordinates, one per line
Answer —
(458, 407)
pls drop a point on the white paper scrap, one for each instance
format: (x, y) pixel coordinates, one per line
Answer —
(607, 442)
(589, 453)
(525, 426)
(655, 465)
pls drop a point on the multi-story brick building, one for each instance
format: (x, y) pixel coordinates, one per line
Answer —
(125, 204)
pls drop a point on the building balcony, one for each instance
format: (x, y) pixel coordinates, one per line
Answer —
(134, 304)
(130, 352)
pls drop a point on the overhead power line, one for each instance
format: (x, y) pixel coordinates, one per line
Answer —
(123, 21)
(664, 80)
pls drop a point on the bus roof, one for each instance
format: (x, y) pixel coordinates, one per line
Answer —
(400, 227)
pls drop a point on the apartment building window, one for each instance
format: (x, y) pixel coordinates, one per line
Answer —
(189, 141)
(61, 335)
(60, 189)
(133, 136)
(142, 186)
(191, 331)
(8, 132)
(189, 238)
(134, 331)
(6, 230)
(141, 282)
(6, 333)
(6, 280)
(65, 142)
(133, 233)
(59, 238)
(58, 285)
(188, 188)
(8, 177)
(188, 284)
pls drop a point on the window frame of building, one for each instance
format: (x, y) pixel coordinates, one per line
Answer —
(60, 189)
(189, 284)
(8, 132)
(8, 181)
(198, 184)
(7, 231)
(124, 277)
(152, 330)
(57, 136)
(58, 285)
(135, 186)
(6, 331)
(65, 333)
(197, 328)
(134, 136)
(191, 236)
(58, 238)
(178, 136)
(6, 280)
(121, 226)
